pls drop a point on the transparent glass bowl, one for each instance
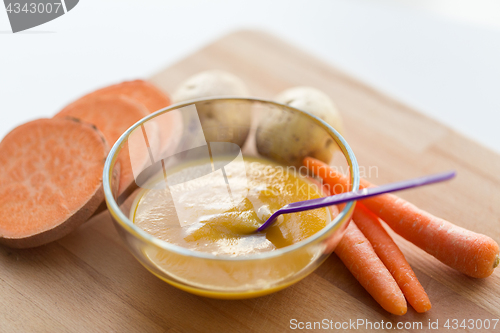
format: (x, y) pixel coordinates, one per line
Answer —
(257, 128)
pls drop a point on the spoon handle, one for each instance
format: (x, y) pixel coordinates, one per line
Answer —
(359, 194)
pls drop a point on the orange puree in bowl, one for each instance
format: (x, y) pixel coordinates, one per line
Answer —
(197, 212)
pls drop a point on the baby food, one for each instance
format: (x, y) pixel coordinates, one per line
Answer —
(218, 212)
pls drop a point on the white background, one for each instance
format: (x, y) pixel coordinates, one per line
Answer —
(441, 57)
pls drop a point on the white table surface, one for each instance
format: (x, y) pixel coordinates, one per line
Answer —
(440, 57)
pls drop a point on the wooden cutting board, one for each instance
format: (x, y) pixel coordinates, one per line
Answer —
(88, 281)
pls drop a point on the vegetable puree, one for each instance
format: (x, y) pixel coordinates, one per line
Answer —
(197, 213)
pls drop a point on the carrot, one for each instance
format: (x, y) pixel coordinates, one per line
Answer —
(471, 253)
(392, 257)
(50, 180)
(358, 255)
(390, 254)
(112, 115)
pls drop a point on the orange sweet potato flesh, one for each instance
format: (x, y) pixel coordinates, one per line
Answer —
(50, 180)
(112, 115)
(142, 91)
(145, 93)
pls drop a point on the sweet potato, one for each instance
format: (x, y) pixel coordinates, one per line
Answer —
(147, 94)
(50, 180)
(112, 115)
(144, 92)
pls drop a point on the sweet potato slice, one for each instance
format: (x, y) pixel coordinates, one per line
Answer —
(50, 180)
(151, 97)
(112, 115)
(144, 92)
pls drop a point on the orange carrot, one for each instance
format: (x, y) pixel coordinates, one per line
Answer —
(358, 255)
(50, 180)
(392, 257)
(112, 116)
(473, 254)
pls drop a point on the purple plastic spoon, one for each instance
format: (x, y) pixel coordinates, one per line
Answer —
(356, 195)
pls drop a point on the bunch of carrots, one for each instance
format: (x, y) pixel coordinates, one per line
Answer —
(51, 169)
(376, 261)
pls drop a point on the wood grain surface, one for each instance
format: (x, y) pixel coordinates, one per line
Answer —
(89, 282)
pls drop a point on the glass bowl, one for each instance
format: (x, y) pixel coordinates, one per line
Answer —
(241, 126)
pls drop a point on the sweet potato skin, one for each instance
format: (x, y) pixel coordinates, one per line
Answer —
(63, 229)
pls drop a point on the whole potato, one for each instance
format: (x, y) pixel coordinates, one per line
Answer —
(221, 121)
(288, 138)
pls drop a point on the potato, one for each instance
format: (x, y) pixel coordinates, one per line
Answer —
(221, 121)
(288, 139)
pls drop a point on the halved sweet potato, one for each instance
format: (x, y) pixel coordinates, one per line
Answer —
(142, 91)
(50, 180)
(151, 97)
